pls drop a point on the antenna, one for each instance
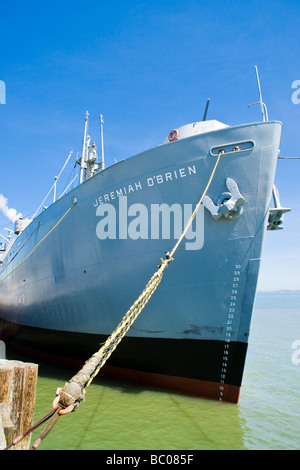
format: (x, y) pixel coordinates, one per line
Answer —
(289, 158)
(102, 146)
(206, 109)
(260, 102)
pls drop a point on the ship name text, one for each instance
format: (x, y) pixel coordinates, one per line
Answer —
(117, 219)
(151, 181)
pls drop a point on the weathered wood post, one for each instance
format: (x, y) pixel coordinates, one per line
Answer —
(17, 400)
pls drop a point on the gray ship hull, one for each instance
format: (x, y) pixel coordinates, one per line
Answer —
(71, 292)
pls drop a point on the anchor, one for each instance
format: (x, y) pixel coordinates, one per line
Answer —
(276, 217)
(230, 205)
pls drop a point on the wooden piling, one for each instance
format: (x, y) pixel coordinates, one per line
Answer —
(17, 400)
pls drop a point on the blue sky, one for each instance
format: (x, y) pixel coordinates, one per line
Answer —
(147, 66)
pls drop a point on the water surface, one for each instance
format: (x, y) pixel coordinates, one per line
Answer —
(120, 416)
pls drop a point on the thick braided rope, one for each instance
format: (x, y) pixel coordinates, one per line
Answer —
(73, 391)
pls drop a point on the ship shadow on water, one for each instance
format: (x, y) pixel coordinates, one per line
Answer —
(118, 415)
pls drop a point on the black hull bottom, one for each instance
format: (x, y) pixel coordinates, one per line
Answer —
(193, 367)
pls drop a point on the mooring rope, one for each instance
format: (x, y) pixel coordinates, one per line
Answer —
(38, 423)
(73, 392)
(69, 396)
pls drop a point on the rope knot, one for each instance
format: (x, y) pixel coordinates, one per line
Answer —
(68, 397)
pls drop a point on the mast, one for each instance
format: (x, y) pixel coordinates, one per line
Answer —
(83, 154)
(260, 102)
(102, 146)
(206, 109)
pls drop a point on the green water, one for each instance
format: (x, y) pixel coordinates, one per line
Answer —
(118, 416)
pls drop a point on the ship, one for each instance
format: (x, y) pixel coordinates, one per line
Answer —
(70, 272)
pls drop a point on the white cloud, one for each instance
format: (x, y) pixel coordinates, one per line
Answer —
(10, 213)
